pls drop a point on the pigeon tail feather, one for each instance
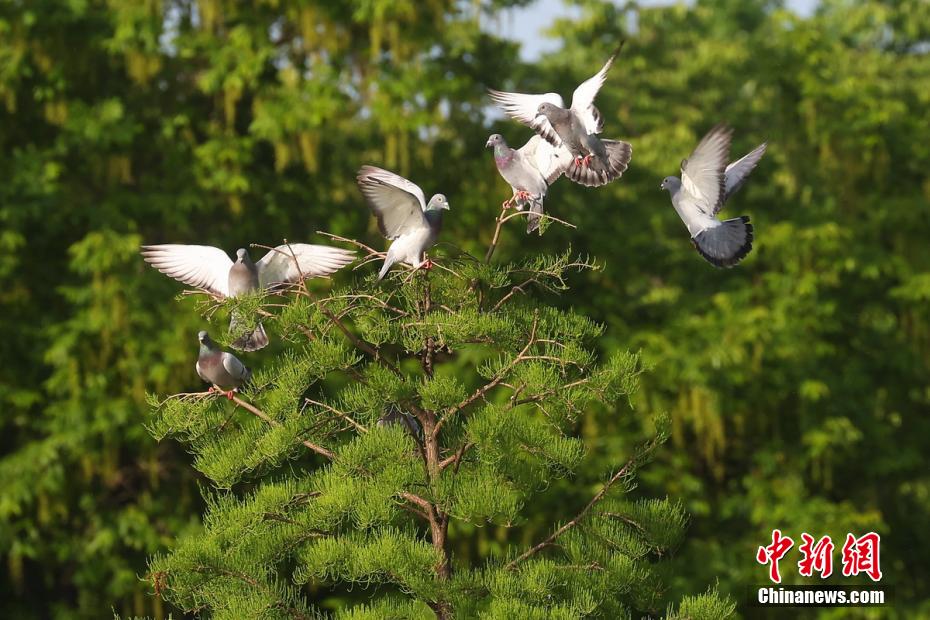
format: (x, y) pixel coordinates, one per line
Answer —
(253, 341)
(385, 267)
(596, 173)
(535, 215)
(726, 244)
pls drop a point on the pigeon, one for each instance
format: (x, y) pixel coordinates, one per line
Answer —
(210, 269)
(403, 215)
(223, 371)
(705, 185)
(402, 418)
(597, 161)
(529, 170)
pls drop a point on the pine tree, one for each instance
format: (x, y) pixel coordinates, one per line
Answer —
(365, 455)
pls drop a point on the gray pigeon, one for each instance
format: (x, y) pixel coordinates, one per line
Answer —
(223, 371)
(402, 418)
(705, 185)
(210, 269)
(597, 161)
(529, 171)
(403, 215)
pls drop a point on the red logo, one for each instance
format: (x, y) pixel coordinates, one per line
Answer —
(773, 553)
(860, 555)
(817, 557)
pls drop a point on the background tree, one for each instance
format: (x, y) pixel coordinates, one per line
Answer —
(795, 383)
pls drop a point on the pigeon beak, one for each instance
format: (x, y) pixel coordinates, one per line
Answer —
(445, 206)
(487, 144)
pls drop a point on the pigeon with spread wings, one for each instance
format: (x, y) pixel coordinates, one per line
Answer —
(529, 170)
(596, 161)
(706, 183)
(404, 216)
(210, 269)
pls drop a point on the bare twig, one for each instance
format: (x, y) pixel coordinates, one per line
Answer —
(502, 218)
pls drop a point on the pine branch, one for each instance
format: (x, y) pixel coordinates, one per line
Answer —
(264, 416)
(345, 416)
(498, 376)
(627, 468)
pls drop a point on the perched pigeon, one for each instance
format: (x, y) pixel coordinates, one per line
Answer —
(529, 170)
(402, 418)
(403, 215)
(223, 371)
(210, 269)
(597, 161)
(705, 185)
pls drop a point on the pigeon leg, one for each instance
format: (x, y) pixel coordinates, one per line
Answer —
(427, 264)
(523, 196)
(211, 389)
(230, 394)
(579, 160)
(586, 160)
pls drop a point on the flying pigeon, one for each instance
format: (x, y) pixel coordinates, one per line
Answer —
(529, 170)
(223, 371)
(705, 185)
(210, 269)
(403, 215)
(597, 161)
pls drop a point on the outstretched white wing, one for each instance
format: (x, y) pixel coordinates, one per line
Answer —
(201, 266)
(523, 107)
(583, 97)
(288, 263)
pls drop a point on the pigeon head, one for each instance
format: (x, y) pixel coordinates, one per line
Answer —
(545, 109)
(204, 338)
(242, 256)
(495, 140)
(671, 184)
(437, 203)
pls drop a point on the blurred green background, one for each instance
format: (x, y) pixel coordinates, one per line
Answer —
(797, 382)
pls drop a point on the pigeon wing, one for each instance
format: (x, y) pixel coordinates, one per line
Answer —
(200, 266)
(396, 202)
(523, 108)
(236, 369)
(702, 174)
(737, 172)
(550, 161)
(289, 262)
(583, 98)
